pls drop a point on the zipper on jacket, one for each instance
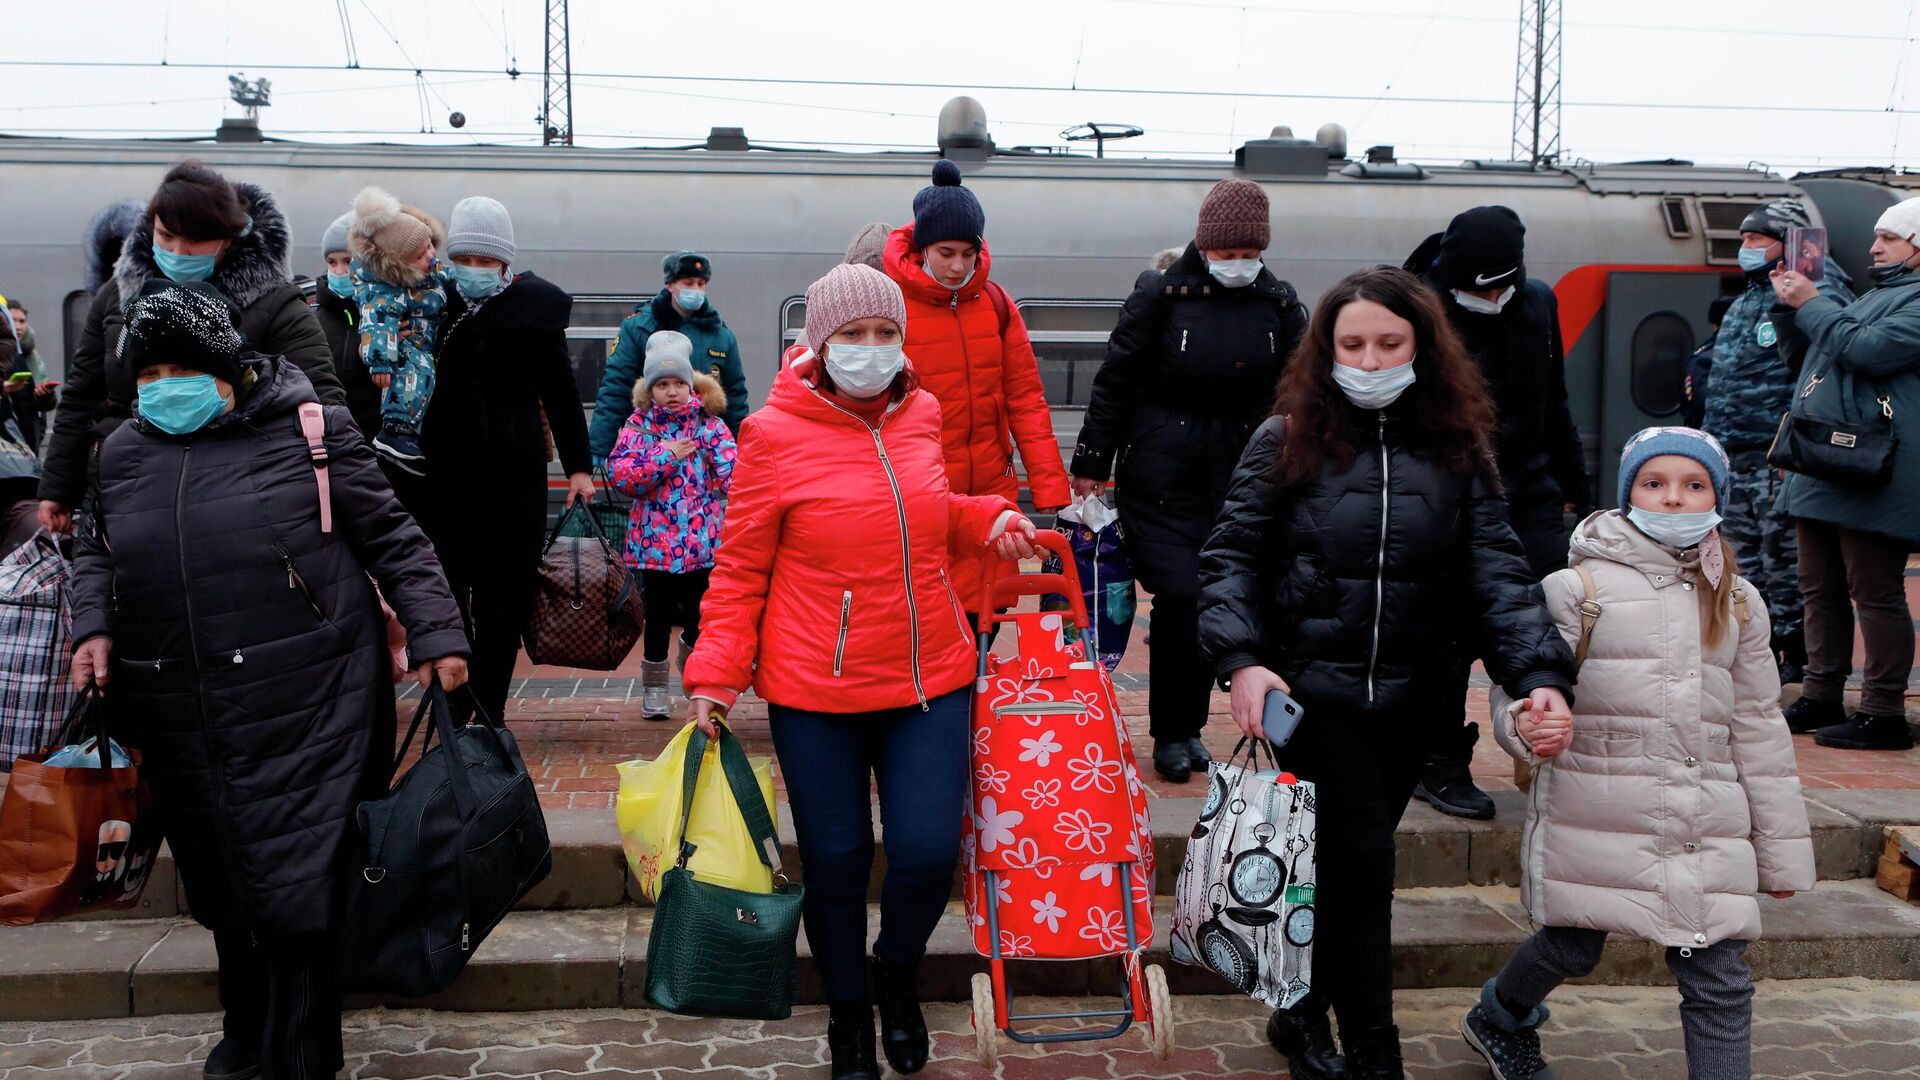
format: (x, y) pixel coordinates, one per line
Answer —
(906, 547)
(298, 583)
(959, 609)
(1273, 344)
(846, 618)
(1183, 341)
(1380, 564)
(966, 368)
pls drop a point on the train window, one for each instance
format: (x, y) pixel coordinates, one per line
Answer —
(1678, 223)
(1069, 344)
(1661, 344)
(1720, 220)
(594, 333)
(793, 324)
(73, 318)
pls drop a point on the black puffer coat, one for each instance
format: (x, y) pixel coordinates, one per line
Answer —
(340, 322)
(1190, 372)
(98, 396)
(249, 655)
(1345, 583)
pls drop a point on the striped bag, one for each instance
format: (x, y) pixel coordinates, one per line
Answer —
(36, 649)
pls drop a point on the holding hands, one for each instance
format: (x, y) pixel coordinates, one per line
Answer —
(1545, 721)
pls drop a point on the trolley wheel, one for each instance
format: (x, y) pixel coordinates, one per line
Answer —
(1160, 1026)
(985, 1035)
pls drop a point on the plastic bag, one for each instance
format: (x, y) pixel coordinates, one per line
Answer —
(1106, 577)
(647, 811)
(86, 755)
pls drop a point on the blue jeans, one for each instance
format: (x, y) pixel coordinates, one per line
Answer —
(831, 762)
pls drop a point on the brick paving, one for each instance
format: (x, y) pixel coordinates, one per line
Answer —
(1816, 1029)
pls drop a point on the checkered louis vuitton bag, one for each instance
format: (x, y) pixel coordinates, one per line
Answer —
(588, 610)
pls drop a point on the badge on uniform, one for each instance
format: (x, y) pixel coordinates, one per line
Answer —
(1765, 334)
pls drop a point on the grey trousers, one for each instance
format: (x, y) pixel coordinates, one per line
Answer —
(1716, 992)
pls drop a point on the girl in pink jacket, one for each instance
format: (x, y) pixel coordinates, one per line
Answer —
(1671, 799)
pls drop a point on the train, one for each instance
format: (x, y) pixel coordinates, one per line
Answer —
(1635, 251)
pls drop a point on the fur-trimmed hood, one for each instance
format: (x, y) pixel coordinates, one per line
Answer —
(706, 389)
(106, 235)
(254, 265)
(374, 211)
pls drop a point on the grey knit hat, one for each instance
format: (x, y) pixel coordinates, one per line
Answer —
(869, 247)
(669, 356)
(480, 226)
(336, 235)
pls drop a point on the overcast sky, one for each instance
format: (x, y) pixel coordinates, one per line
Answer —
(1791, 84)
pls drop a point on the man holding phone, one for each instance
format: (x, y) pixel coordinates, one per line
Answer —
(28, 391)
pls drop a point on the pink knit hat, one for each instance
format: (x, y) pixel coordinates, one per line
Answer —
(851, 291)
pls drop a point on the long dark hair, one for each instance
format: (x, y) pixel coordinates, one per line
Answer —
(1447, 409)
(198, 203)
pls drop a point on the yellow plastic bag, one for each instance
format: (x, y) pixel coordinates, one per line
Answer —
(647, 811)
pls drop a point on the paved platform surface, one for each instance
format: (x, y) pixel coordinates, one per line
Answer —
(1816, 1029)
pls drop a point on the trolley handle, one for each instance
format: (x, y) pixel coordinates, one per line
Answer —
(1005, 590)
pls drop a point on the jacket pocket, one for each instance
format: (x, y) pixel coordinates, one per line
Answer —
(846, 623)
(959, 609)
(1720, 746)
(298, 584)
(1607, 744)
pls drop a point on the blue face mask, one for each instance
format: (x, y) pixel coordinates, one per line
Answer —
(182, 404)
(477, 282)
(691, 300)
(1752, 259)
(182, 268)
(341, 284)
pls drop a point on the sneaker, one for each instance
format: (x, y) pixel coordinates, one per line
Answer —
(232, 1060)
(1198, 755)
(1447, 786)
(1865, 731)
(1511, 1047)
(402, 448)
(1173, 760)
(1806, 715)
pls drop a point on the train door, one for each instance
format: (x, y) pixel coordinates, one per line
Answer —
(1652, 323)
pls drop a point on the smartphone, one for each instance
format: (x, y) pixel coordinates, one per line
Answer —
(19, 377)
(1280, 717)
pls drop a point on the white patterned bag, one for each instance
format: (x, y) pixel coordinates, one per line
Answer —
(36, 690)
(1243, 904)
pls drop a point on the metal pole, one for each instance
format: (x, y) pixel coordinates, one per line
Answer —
(1539, 62)
(566, 51)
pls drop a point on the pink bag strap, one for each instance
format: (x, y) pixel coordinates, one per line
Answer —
(313, 425)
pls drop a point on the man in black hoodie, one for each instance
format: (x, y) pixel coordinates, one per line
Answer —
(1511, 324)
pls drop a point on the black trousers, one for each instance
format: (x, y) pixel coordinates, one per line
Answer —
(672, 600)
(282, 998)
(488, 539)
(1180, 680)
(1363, 765)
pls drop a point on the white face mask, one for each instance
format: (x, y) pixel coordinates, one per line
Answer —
(1480, 305)
(863, 371)
(1234, 273)
(1674, 530)
(928, 270)
(1373, 389)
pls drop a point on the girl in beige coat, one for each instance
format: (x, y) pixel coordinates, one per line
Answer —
(1672, 799)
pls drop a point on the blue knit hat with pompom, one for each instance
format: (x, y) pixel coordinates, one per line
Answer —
(947, 211)
(1652, 442)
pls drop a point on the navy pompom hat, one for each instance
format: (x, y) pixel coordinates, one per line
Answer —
(946, 211)
(1687, 442)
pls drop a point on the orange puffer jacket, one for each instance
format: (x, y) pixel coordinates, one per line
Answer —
(988, 386)
(834, 588)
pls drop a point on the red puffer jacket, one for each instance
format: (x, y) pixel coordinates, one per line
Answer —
(833, 588)
(988, 386)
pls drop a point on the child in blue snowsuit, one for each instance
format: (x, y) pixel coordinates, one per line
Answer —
(398, 285)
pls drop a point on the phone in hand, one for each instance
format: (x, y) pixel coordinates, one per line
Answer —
(1280, 717)
(19, 377)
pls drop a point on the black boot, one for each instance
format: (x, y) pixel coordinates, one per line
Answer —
(1375, 1054)
(903, 1029)
(1866, 731)
(850, 1041)
(1307, 1040)
(1198, 754)
(1511, 1046)
(1806, 715)
(232, 1060)
(1447, 785)
(1172, 760)
(1792, 651)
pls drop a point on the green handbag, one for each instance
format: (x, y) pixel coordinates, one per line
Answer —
(716, 951)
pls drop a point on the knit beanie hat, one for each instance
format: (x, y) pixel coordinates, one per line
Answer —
(669, 356)
(851, 291)
(1234, 215)
(192, 325)
(946, 211)
(1775, 218)
(380, 220)
(869, 245)
(1483, 248)
(480, 226)
(1902, 219)
(686, 264)
(335, 238)
(1684, 441)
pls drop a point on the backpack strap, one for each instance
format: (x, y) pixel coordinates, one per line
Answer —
(1740, 600)
(1002, 305)
(313, 425)
(1589, 612)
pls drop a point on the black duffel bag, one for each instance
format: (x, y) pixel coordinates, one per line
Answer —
(441, 859)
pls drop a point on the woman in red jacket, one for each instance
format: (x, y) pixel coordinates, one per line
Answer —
(971, 351)
(834, 596)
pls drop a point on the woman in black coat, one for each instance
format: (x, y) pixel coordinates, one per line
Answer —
(246, 655)
(1364, 524)
(1190, 372)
